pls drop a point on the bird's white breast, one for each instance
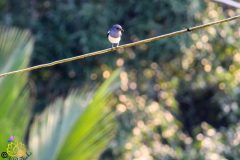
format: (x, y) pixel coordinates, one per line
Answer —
(114, 40)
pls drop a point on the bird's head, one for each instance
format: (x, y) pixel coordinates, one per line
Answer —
(117, 27)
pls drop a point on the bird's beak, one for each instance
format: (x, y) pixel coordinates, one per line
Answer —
(122, 30)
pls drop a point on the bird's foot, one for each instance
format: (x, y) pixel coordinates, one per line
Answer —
(114, 45)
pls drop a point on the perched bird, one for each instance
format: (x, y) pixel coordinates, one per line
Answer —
(115, 34)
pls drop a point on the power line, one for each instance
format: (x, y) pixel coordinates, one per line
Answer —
(172, 34)
(229, 2)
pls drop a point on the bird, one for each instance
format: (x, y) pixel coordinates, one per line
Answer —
(114, 34)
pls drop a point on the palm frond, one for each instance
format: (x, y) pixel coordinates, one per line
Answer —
(78, 127)
(15, 49)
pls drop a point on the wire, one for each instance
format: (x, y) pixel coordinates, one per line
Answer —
(172, 34)
(229, 2)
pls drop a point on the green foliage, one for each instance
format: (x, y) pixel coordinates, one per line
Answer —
(79, 127)
(15, 50)
(179, 97)
(189, 106)
(70, 28)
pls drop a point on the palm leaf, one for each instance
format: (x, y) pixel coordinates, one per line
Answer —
(15, 49)
(79, 127)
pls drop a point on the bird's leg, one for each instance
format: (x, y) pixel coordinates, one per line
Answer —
(117, 44)
(112, 45)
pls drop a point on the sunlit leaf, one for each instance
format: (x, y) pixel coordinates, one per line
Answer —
(15, 49)
(79, 127)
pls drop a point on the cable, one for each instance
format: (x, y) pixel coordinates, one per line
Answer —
(190, 29)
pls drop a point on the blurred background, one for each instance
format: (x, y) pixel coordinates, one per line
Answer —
(177, 98)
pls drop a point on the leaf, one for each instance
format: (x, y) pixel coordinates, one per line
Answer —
(15, 49)
(79, 127)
